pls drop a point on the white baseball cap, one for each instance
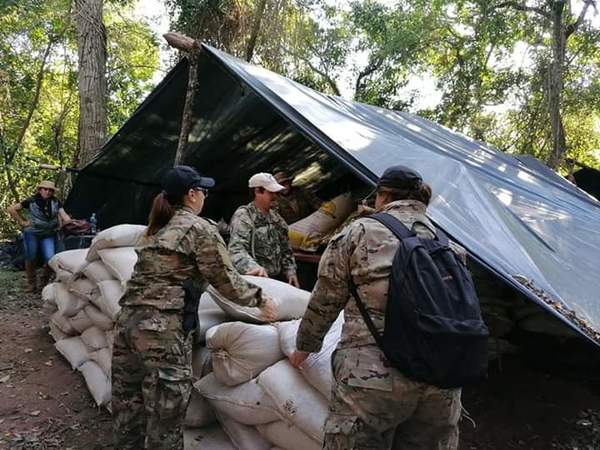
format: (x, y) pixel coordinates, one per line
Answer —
(265, 180)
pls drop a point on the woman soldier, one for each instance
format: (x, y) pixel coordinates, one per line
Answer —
(178, 256)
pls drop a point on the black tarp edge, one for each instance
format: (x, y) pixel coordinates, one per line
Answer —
(297, 120)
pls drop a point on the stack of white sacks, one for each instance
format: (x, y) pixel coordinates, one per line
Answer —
(242, 377)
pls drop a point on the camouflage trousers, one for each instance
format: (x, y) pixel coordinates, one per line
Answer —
(397, 413)
(151, 379)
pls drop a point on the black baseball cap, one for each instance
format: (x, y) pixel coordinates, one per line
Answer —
(400, 177)
(179, 179)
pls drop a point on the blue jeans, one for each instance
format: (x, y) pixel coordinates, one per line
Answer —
(31, 243)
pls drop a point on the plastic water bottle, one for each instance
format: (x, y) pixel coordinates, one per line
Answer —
(93, 224)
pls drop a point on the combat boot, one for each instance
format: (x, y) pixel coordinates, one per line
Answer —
(30, 274)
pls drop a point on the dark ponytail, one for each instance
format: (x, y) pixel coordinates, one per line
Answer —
(162, 211)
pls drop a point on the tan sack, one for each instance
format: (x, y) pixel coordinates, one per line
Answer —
(49, 308)
(246, 403)
(308, 233)
(207, 438)
(199, 413)
(125, 235)
(96, 271)
(119, 262)
(243, 436)
(62, 323)
(97, 382)
(74, 351)
(111, 292)
(240, 351)
(83, 288)
(68, 305)
(287, 436)
(56, 333)
(99, 319)
(316, 369)
(94, 338)
(209, 315)
(66, 263)
(49, 294)
(290, 302)
(81, 321)
(103, 358)
(295, 399)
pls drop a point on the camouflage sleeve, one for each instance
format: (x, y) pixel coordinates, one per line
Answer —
(214, 263)
(288, 263)
(332, 291)
(240, 242)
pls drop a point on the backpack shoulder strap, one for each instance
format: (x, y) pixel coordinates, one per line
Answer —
(394, 225)
(366, 317)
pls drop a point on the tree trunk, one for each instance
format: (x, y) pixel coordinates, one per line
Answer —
(555, 83)
(91, 43)
(188, 107)
(260, 11)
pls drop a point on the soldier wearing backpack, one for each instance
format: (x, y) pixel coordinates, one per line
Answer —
(380, 397)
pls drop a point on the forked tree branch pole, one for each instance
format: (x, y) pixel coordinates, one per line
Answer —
(191, 47)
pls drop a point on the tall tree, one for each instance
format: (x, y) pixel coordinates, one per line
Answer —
(91, 44)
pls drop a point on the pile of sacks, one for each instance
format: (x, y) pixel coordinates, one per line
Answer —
(244, 387)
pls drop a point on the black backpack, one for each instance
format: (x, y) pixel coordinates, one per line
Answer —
(433, 327)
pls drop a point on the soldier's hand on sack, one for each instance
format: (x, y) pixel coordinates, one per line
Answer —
(293, 280)
(258, 271)
(268, 308)
(298, 357)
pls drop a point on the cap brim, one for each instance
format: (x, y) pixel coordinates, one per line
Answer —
(204, 182)
(274, 187)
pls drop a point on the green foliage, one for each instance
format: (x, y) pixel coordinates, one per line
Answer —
(39, 108)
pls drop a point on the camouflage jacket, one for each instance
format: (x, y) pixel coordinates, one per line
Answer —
(298, 204)
(259, 239)
(364, 251)
(188, 247)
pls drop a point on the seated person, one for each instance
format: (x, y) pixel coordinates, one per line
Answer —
(259, 243)
(294, 203)
(45, 215)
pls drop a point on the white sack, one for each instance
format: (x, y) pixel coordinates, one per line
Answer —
(56, 333)
(296, 400)
(287, 437)
(243, 437)
(68, 305)
(209, 438)
(201, 363)
(199, 413)
(97, 382)
(74, 351)
(125, 235)
(111, 292)
(99, 319)
(49, 308)
(209, 315)
(245, 403)
(62, 323)
(119, 261)
(316, 369)
(103, 358)
(308, 233)
(48, 294)
(240, 351)
(290, 301)
(80, 321)
(96, 271)
(68, 261)
(94, 338)
(83, 288)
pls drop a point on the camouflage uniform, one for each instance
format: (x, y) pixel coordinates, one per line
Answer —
(261, 240)
(151, 369)
(373, 401)
(296, 205)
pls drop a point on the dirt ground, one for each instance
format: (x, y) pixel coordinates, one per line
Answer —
(528, 404)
